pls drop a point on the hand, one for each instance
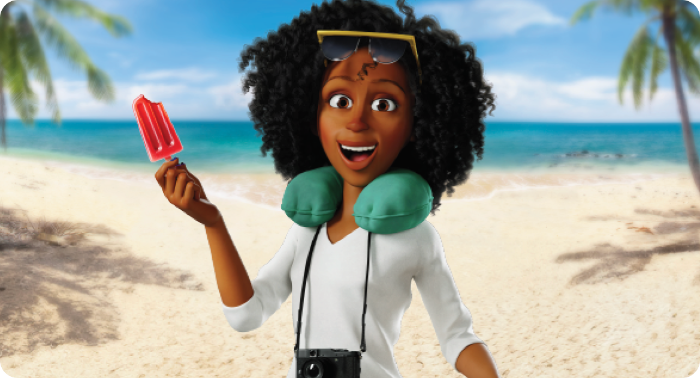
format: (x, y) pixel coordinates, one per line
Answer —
(185, 191)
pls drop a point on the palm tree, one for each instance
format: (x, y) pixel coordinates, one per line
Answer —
(22, 54)
(680, 26)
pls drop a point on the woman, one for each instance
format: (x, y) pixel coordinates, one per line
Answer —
(351, 105)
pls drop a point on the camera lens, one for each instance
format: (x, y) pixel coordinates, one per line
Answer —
(313, 369)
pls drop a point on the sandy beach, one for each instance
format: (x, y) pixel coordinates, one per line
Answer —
(107, 279)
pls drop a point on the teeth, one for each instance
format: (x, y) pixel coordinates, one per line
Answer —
(358, 149)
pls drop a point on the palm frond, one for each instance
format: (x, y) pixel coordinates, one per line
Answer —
(58, 37)
(4, 16)
(624, 6)
(116, 25)
(648, 5)
(625, 72)
(640, 66)
(585, 12)
(687, 63)
(22, 97)
(659, 62)
(689, 24)
(634, 65)
(34, 60)
(99, 84)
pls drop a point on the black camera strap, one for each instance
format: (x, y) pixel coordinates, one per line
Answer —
(303, 289)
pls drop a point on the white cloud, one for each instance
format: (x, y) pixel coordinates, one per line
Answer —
(185, 74)
(121, 59)
(526, 98)
(230, 95)
(157, 92)
(519, 98)
(480, 19)
(182, 99)
(592, 88)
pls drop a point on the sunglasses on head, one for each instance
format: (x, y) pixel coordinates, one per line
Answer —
(384, 48)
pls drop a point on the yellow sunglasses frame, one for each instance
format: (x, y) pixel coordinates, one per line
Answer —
(349, 33)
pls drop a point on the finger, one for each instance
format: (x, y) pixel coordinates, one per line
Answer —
(180, 185)
(195, 179)
(189, 192)
(170, 179)
(199, 189)
(189, 174)
(160, 173)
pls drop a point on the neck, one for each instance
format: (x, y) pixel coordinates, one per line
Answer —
(344, 213)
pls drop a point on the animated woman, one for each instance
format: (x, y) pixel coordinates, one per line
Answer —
(371, 129)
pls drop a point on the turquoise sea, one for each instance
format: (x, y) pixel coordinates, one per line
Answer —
(225, 149)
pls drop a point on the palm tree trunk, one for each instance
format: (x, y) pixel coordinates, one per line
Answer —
(669, 24)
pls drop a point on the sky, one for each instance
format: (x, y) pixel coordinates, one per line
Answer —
(185, 54)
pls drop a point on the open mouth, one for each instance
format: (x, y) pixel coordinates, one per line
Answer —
(357, 154)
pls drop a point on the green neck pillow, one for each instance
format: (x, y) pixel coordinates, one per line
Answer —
(396, 201)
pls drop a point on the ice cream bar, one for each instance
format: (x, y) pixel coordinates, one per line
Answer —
(157, 131)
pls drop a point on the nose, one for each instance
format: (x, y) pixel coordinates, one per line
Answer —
(357, 121)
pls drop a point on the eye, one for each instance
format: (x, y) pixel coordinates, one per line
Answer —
(341, 101)
(383, 105)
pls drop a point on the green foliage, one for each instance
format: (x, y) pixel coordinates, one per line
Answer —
(22, 54)
(687, 62)
(645, 53)
(58, 37)
(15, 76)
(585, 12)
(659, 62)
(115, 25)
(35, 62)
(634, 64)
(639, 65)
(689, 24)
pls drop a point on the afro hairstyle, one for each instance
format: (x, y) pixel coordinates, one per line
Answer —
(286, 74)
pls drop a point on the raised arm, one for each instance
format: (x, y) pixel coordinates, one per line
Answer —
(232, 278)
(185, 191)
(246, 304)
(271, 288)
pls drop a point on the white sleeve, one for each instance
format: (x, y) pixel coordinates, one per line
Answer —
(271, 288)
(450, 317)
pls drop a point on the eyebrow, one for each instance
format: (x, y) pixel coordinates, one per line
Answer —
(373, 81)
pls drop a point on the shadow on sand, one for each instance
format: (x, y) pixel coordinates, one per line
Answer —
(55, 280)
(614, 262)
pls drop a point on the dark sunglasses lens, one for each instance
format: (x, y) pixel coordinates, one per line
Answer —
(339, 47)
(385, 50)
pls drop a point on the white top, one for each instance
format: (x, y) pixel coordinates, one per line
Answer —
(332, 317)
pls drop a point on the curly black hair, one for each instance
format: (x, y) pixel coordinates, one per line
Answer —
(287, 70)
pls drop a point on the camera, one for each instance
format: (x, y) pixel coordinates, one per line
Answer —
(328, 363)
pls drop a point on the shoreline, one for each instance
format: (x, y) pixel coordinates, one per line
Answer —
(266, 189)
(586, 280)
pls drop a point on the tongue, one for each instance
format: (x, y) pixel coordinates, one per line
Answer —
(359, 156)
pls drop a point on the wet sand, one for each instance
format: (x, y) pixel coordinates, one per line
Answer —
(564, 274)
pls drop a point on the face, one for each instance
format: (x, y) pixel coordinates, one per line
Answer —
(365, 116)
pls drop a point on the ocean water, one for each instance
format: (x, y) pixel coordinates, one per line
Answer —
(222, 150)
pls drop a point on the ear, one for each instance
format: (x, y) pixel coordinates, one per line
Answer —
(413, 137)
(314, 129)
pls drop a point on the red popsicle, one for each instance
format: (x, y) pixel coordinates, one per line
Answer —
(157, 131)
